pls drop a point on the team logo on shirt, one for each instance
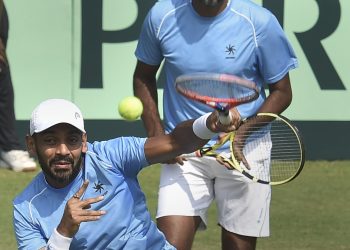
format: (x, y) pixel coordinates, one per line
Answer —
(230, 51)
(99, 187)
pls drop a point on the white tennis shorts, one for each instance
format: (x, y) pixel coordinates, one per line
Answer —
(188, 190)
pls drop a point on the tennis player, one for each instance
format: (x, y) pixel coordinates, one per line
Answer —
(87, 195)
(236, 37)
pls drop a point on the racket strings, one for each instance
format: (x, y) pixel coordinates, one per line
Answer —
(209, 90)
(272, 150)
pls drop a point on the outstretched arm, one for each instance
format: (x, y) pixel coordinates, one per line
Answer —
(187, 137)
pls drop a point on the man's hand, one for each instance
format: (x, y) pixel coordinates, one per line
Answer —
(238, 145)
(76, 211)
(213, 122)
(179, 159)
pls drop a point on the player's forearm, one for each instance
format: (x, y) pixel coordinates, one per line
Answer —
(151, 120)
(276, 103)
(280, 97)
(187, 137)
(181, 140)
(147, 92)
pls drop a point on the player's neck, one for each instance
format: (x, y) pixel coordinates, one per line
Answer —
(209, 11)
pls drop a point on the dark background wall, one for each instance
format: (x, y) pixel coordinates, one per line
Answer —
(320, 112)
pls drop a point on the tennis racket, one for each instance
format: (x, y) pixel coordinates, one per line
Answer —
(266, 148)
(219, 91)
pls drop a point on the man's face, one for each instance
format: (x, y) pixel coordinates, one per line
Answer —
(59, 150)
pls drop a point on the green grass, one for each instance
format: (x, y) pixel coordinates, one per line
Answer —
(312, 212)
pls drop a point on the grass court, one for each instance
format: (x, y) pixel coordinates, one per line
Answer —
(310, 213)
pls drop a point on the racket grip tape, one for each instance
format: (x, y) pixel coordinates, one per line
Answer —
(225, 117)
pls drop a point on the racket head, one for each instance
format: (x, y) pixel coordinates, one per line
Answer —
(268, 149)
(219, 91)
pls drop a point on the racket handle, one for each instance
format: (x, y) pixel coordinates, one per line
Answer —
(225, 117)
(193, 154)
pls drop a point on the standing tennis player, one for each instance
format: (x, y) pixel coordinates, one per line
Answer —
(87, 195)
(234, 37)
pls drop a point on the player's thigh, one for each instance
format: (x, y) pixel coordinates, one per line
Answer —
(243, 206)
(185, 190)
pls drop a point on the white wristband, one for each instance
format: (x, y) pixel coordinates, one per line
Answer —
(200, 128)
(58, 241)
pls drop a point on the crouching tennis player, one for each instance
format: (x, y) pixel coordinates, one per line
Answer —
(87, 195)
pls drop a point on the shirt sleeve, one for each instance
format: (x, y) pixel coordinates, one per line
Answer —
(276, 56)
(148, 48)
(125, 153)
(28, 236)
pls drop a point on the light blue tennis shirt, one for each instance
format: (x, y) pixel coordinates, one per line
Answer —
(111, 168)
(244, 40)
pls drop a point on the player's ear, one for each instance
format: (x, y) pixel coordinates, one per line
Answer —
(84, 143)
(30, 145)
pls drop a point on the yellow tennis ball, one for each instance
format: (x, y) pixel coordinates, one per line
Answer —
(130, 108)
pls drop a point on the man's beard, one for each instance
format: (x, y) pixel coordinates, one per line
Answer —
(212, 3)
(61, 176)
